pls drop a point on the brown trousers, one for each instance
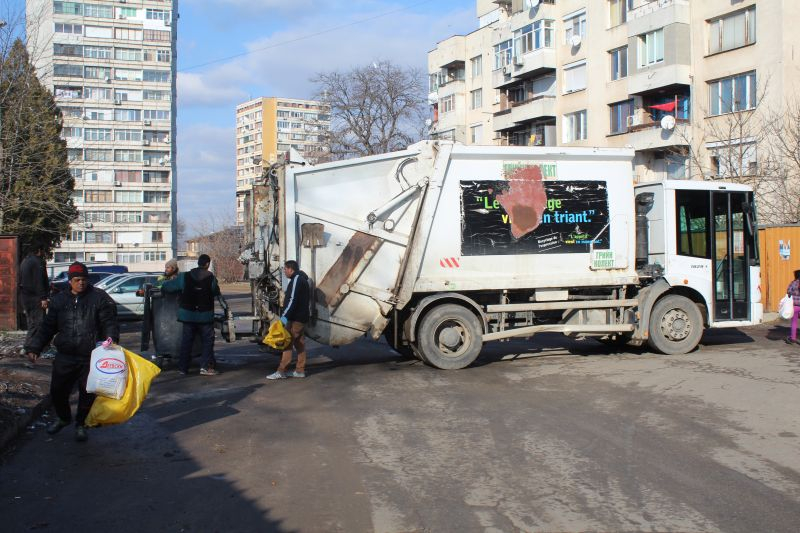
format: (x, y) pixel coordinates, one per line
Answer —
(298, 343)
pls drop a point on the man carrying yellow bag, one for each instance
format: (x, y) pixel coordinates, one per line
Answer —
(107, 411)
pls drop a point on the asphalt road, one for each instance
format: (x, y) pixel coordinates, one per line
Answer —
(555, 435)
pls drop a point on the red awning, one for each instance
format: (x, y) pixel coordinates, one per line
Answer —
(669, 106)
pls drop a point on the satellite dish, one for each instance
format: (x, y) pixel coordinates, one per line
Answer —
(668, 122)
(428, 122)
(575, 40)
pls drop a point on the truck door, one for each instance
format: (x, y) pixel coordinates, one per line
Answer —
(733, 250)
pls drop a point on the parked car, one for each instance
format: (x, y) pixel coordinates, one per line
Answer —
(128, 292)
(105, 282)
(62, 284)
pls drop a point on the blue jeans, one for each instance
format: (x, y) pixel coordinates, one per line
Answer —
(206, 333)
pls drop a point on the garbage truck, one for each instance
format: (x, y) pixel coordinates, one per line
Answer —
(442, 247)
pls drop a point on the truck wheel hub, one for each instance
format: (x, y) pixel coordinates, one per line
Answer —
(450, 337)
(676, 325)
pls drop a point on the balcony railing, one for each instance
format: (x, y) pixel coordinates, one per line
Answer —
(653, 6)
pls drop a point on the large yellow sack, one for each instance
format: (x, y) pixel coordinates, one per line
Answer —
(278, 336)
(108, 411)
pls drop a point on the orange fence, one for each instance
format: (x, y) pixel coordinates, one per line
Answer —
(779, 249)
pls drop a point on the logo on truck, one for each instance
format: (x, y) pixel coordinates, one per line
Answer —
(526, 213)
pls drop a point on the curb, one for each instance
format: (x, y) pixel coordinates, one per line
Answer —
(22, 422)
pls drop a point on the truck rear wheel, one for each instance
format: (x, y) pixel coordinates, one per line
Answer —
(676, 325)
(450, 337)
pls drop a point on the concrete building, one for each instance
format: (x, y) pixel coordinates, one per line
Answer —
(656, 75)
(269, 126)
(111, 66)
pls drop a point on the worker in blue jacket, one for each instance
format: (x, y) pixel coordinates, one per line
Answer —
(295, 315)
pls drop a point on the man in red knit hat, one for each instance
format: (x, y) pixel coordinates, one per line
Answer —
(78, 319)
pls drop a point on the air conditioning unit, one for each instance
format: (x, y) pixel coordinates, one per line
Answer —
(146, 122)
(146, 162)
(507, 69)
(167, 139)
(88, 225)
(108, 79)
(121, 16)
(118, 101)
(633, 120)
(145, 143)
(117, 183)
(518, 61)
(119, 245)
(167, 23)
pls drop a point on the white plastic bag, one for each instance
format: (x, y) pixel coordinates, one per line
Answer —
(108, 374)
(786, 307)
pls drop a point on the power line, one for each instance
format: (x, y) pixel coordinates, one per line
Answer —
(304, 37)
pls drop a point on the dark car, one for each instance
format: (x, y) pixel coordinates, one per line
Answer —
(61, 283)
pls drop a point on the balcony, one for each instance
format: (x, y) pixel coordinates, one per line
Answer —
(651, 136)
(657, 14)
(502, 120)
(658, 76)
(537, 107)
(535, 63)
(503, 77)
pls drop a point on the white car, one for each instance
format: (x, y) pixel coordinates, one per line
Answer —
(128, 292)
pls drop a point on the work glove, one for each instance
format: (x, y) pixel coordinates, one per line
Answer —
(284, 321)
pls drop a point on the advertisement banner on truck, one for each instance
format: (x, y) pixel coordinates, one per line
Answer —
(526, 214)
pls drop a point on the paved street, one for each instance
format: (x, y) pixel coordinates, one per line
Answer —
(563, 436)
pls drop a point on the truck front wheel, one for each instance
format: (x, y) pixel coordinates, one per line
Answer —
(676, 325)
(450, 337)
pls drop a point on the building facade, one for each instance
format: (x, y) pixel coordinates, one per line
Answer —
(666, 77)
(111, 67)
(269, 126)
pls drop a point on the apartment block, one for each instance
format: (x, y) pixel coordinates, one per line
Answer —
(655, 75)
(111, 66)
(269, 126)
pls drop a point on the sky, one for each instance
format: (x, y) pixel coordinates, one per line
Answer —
(279, 45)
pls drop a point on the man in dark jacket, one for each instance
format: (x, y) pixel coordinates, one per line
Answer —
(33, 290)
(295, 316)
(198, 288)
(78, 319)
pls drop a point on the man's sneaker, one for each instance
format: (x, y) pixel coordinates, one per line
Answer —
(297, 374)
(277, 375)
(57, 426)
(81, 435)
(208, 372)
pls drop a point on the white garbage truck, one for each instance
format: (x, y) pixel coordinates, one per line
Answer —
(441, 248)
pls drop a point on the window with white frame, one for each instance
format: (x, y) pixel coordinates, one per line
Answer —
(619, 63)
(127, 135)
(68, 8)
(96, 73)
(69, 50)
(574, 77)
(619, 116)
(97, 134)
(92, 154)
(99, 114)
(735, 93)
(68, 132)
(502, 54)
(156, 114)
(98, 11)
(533, 37)
(127, 258)
(447, 104)
(732, 31)
(476, 66)
(574, 127)
(126, 74)
(476, 99)
(97, 52)
(97, 216)
(128, 54)
(97, 93)
(156, 197)
(98, 32)
(651, 47)
(734, 158)
(157, 75)
(150, 94)
(75, 29)
(128, 197)
(574, 25)
(126, 12)
(128, 156)
(157, 14)
(617, 12)
(476, 133)
(128, 115)
(68, 70)
(128, 34)
(127, 216)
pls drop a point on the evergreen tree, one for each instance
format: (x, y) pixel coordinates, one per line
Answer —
(35, 182)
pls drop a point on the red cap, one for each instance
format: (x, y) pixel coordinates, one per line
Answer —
(77, 269)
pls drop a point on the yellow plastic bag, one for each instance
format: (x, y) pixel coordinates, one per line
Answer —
(108, 411)
(278, 337)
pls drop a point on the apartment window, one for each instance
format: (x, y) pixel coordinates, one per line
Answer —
(574, 25)
(76, 173)
(128, 34)
(68, 71)
(98, 197)
(619, 63)
(155, 176)
(150, 94)
(126, 95)
(70, 132)
(156, 114)
(476, 66)
(533, 37)
(97, 216)
(161, 76)
(128, 197)
(127, 156)
(68, 8)
(128, 115)
(98, 11)
(155, 256)
(127, 12)
(156, 136)
(74, 154)
(71, 112)
(96, 93)
(476, 134)
(98, 176)
(733, 158)
(75, 29)
(69, 50)
(156, 236)
(128, 54)
(76, 197)
(156, 197)
(96, 73)
(97, 52)
(97, 134)
(128, 217)
(574, 127)
(617, 12)
(93, 154)
(128, 258)
(736, 93)
(651, 48)
(476, 99)
(128, 176)
(732, 31)
(619, 116)
(575, 77)
(502, 54)
(157, 35)
(99, 237)
(157, 14)
(446, 104)
(162, 56)
(125, 74)
(99, 32)
(67, 92)
(127, 135)
(74, 236)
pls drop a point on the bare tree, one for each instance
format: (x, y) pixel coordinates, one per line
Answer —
(374, 109)
(217, 236)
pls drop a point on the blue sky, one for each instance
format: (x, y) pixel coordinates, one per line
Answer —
(286, 42)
